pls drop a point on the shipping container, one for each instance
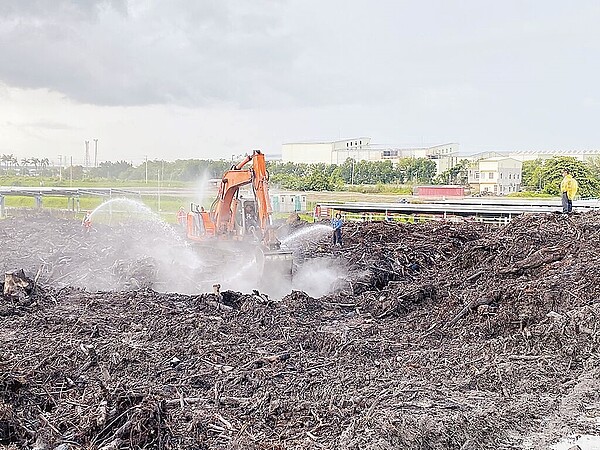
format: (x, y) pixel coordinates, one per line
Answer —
(440, 191)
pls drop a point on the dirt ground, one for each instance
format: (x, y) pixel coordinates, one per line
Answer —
(437, 336)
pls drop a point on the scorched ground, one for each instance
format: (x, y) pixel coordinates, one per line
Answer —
(441, 336)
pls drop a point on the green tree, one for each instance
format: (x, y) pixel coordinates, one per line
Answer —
(551, 176)
(531, 175)
(417, 170)
(5, 159)
(594, 165)
(457, 174)
(44, 163)
(111, 170)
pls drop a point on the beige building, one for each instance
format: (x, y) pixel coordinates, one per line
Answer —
(498, 175)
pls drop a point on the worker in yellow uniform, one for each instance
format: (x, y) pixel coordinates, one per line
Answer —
(568, 189)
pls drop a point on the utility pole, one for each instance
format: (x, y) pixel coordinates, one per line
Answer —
(71, 182)
(95, 152)
(146, 169)
(158, 179)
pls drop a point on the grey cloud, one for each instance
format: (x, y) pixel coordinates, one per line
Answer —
(44, 125)
(58, 9)
(171, 52)
(458, 55)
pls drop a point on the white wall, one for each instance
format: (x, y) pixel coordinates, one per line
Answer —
(360, 149)
(321, 152)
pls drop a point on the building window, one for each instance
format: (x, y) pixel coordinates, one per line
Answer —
(360, 142)
(491, 175)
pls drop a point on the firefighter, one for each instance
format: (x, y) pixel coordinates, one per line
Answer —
(86, 223)
(336, 224)
(181, 215)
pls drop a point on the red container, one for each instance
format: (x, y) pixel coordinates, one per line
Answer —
(440, 191)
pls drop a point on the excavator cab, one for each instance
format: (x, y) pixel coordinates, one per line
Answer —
(247, 223)
(271, 257)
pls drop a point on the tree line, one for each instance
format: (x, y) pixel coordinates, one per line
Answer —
(317, 177)
(544, 176)
(541, 176)
(12, 163)
(303, 177)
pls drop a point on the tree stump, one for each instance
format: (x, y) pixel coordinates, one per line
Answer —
(17, 284)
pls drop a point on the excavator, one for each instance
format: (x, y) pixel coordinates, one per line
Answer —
(247, 222)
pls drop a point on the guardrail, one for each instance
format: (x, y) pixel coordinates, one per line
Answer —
(72, 194)
(454, 211)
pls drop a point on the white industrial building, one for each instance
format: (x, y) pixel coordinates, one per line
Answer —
(498, 175)
(361, 149)
(334, 152)
(582, 155)
(530, 155)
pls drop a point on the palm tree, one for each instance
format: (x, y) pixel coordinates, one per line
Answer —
(4, 159)
(44, 162)
(24, 162)
(35, 162)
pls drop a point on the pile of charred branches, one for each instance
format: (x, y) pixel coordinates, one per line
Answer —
(450, 336)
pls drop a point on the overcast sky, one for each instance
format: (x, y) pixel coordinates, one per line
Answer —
(174, 79)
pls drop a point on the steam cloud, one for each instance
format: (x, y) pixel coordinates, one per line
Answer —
(131, 247)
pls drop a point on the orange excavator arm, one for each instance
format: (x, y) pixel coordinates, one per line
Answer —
(225, 204)
(260, 183)
(232, 181)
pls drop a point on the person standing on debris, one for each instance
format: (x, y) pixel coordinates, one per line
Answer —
(87, 223)
(181, 215)
(336, 224)
(568, 189)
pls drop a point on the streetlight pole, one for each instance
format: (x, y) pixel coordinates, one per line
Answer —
(95, 152)
(146, 169)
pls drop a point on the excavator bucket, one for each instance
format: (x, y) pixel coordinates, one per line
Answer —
(276, 264)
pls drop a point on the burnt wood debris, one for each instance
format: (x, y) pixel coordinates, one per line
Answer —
(440, 336)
